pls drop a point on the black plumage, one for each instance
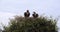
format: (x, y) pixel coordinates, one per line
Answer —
(35, 15)
(27, 14)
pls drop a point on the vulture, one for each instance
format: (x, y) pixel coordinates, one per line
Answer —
(27, 13)
(35, 15)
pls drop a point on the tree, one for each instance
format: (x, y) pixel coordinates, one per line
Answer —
(22, 24)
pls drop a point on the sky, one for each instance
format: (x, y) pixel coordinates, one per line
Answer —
(10, 8)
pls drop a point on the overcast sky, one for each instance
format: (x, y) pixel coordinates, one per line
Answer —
(9, 8)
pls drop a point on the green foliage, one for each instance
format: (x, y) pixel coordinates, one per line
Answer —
(40, 24)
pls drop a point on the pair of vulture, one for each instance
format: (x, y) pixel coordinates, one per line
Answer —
(27, 14)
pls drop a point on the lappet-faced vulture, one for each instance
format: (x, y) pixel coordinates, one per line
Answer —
(35, 15)
(27, 13)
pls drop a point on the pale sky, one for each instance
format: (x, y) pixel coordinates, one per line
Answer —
(9, 8)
